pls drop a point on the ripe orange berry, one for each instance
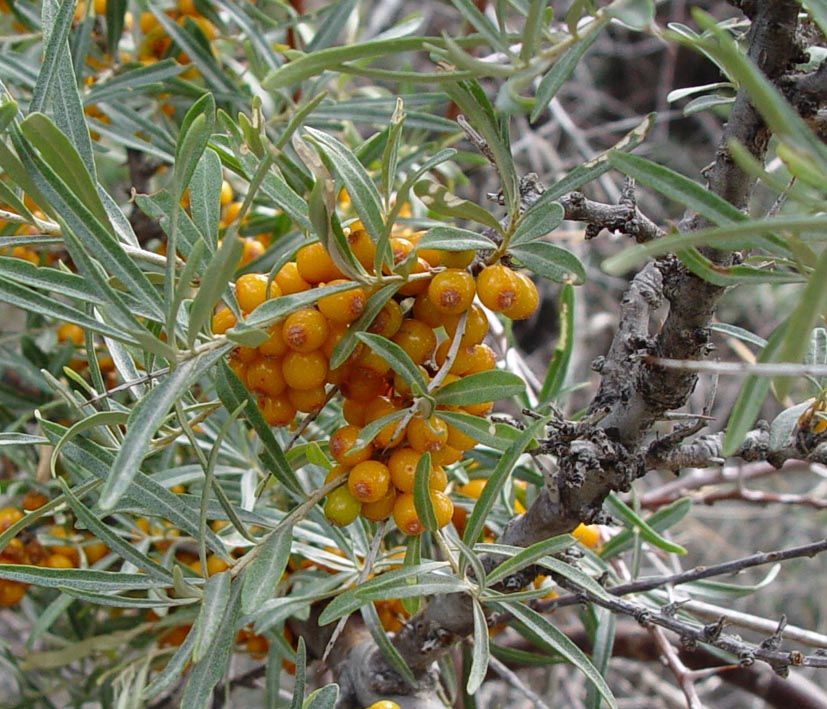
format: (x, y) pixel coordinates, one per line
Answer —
(402, 465)
(222, 321)
(69, 332)
(33, 500)
(304, 370)
(473, 488)
(380, 509)
(95, 552)
(57, 561)
(476, 327)
(587, 534)
(452, 291)
(417, 339)
(257, 646)
(363, 384)
(417, 286)
(305, 330)
(482, 409)
(369, 359)
(250, 251)
(403, 387)
(369, 481)
(446, 455)
(341, 446)
(405, 516)
(264, 376)
(456, 259)
(275, 345)
(526, 301)
(459, 440)
(388, 321)
(308, 401)
(251, 291)
(354, 412)
(290, 280)
(8, 516)
(426, 434)
(362, 247)
(341, 507)
(388, 436)
(425, 311)
(343, 307)
(70, 552)
(481, 358)
(384, 704)
(443, 508)
(315, 265)
(11, 593)
(276, 410)
(226, 191)
(497, 287)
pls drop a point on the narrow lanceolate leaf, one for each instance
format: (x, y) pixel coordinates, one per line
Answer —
(753, 393)
(602, 646)
(213, 608)
(480, 653)
(620, 509)
(539, 625)
(360, 186)
(664, 518)
(535, 224)
(146, 418)
(530, 555)
(263, 574)
(422, 494)
(173, 670)
(396, 357)
(564, 66)
(232, 394)
(476, 520)
(450, 238)
(390, 155)
(549, 261)
(79, 579)
(559, 363)
(205, 196)
(482, 386)
(702, 267)
(494, 435)
(807, 313)
(438, 199)
(208, 671)
(676, 187)
(196, 129)
(104, 533)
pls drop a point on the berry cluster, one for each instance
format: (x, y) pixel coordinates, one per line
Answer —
(433, 318)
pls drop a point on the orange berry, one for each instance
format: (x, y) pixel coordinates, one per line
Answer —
(456, 259)
(230, 213)
(33, 500)
(497, 287)
(343, 307)
(54, 548)
(334, 337)
(426, 434)
(257, 646)
(402, 465)
(363, 384)
(476, 327)
(443, 508)
(247, 355)
(417, 339)
(369, 481)
(446, 455)
(251, 249)
(425, 311)
(526, 301)
(315, 265)
(354, 412)
(388, 436)
(362, 247)
(275, 345)
(8, 516)
(290, 280)
(342, 442)
(587, 534)
(401, 385)
(369, 359)
(222, 321)
(459, 440)
(57, 561)
(305, 330)
(452, 291)
(69, 332)
(251, 291)
(174, 637)
(226, 190)
(304, 370)
(481, 358)
(215, 565)
(11, 593)
(416, 286)
(473, 488)
(400, 248)
(308, 401)
(388, 321)
(380, 509)
(482, 409)
(95, 552)
(276, 410)
(405, 516)
(265, 376)
(341, 507)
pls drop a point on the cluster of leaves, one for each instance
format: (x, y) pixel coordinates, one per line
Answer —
(257, 107)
